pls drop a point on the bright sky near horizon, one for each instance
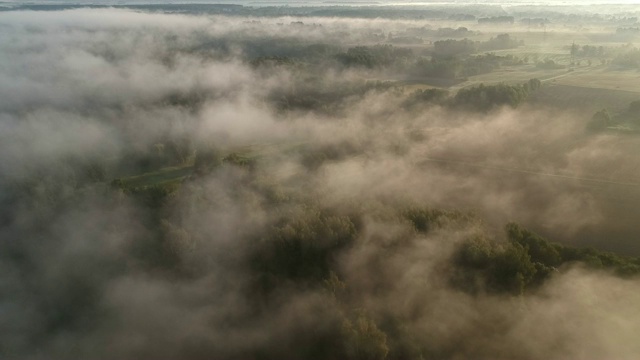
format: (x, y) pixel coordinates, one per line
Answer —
(337, 2)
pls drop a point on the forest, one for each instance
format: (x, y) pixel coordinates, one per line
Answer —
(314, 181)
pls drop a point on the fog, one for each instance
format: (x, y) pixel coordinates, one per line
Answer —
(84, 275)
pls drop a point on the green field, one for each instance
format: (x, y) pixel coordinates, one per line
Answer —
(584, 99)
(603, 78)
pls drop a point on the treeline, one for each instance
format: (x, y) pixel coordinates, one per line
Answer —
(485, 98)
(497, 20)
(624, 56)
(526, 261)
(627, 120)
(446, 32)
(380, 56)
(302, 246)
(313, 94)
(302, 252)
(374, 56)
(337, 273)
(587, 50)
(455, 68)
(449, 59)
(451, 48)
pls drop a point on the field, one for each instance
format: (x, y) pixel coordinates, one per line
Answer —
(604, 78)
(585, 99)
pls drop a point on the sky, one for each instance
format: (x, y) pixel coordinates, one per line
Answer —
(335, 2)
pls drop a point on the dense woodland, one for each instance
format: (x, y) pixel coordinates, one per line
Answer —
(230, 182)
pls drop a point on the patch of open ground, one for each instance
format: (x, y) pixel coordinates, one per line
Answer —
(585, 99)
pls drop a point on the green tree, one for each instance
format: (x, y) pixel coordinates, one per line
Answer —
(533, 85)
(599, 121)
(485, 98)
(539, 249)
(451, 48)
(363, 339)
(574, 49)
(513, 270)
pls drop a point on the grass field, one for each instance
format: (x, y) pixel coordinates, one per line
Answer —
(512, 75)
(585, 99)
(605, 78)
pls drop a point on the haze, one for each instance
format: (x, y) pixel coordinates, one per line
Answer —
(247, 180)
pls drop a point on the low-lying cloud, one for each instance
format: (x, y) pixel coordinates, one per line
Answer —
(84, 274)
